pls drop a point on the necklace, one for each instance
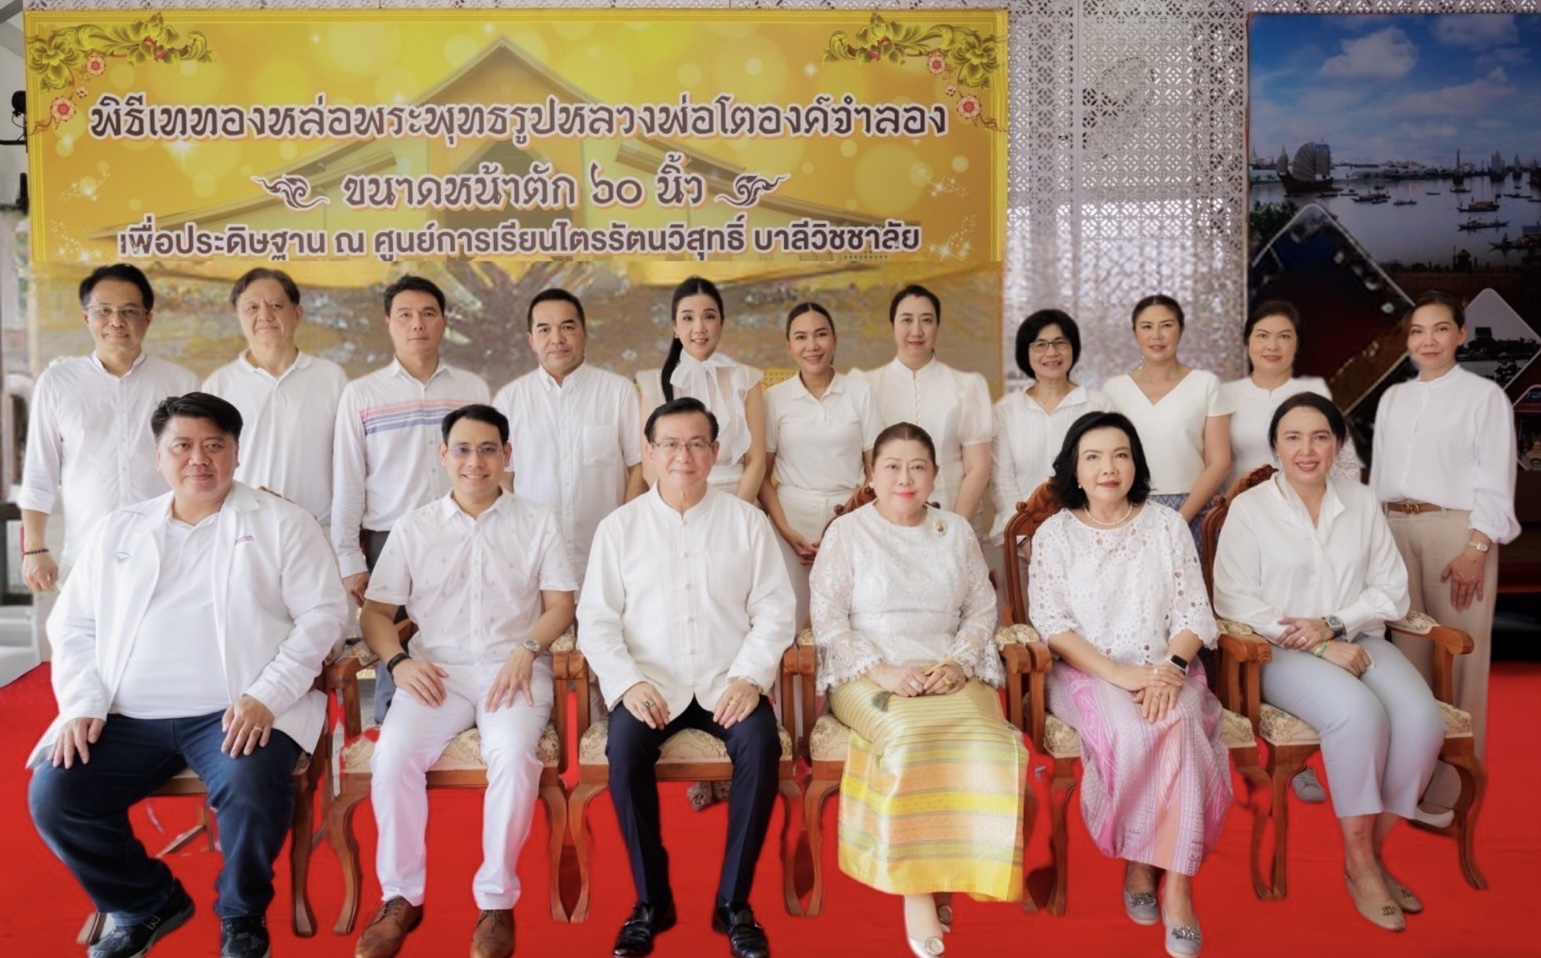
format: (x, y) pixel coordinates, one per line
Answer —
(1086, 511)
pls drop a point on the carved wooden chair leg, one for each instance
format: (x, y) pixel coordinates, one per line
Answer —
(303, 918)
(577, 821)
(817, 793)
(1059, 803)
(790, 794)
(1257, 785)
(340, 835)
(1283, 764)
(555, 799)
(1029, 818)
(1473, 791)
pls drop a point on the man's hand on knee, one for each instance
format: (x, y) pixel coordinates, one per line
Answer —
(643, 701)
(736, 703)
(75, 739)
(248, 725)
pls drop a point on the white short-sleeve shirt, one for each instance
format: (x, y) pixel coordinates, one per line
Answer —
(952, 406)
(819, 441)
(1027, 440)
(1171, 429)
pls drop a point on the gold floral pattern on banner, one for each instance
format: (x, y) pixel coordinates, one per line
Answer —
(961, 56)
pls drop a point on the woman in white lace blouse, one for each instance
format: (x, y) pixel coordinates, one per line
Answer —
(904, 619)
(1117, 592)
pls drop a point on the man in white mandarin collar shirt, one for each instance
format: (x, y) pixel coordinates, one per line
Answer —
(287, 398)
(89, 435)
(685, 613)
(575, 429)
(484, 575)
(188, 636)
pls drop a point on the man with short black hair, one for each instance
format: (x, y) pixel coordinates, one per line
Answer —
(88, 439)
(188, 636)
(686, 611)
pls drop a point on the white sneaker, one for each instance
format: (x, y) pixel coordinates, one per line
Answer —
(1308, 788)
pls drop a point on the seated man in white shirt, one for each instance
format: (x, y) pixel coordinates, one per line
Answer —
(575, 428)
(287, 398)
(88, 439)
(686, 611)
(188, 636)
(484, 575)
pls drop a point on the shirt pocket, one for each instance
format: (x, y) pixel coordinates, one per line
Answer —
(599, 446)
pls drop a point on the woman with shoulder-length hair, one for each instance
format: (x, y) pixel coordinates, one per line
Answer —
(1444, 467)
(951, 405)
(904, 622)
(729, 389)
(1178, 410)
(1307, 560)
(819, 430)
(1117, 592)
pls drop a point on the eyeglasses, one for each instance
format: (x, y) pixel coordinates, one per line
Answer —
(101, 312)
(464, 450)
(694, 447)
(1044, 345)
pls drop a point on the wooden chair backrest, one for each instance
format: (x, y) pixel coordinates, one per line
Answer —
(1023, 523)
(1210, 531)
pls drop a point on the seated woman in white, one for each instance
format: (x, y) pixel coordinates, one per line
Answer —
(904, 621)
(1272, 337)
(819, 430)
(952, 406)
(1178, 411)
(1117, 593)
(1308, 561)
(729, 389)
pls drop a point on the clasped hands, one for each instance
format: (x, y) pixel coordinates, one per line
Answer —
(1306, 634)
(943, 678)
(1155, 687)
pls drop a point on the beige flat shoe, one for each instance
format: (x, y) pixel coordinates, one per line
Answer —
(1402, 895)
(1386, 914)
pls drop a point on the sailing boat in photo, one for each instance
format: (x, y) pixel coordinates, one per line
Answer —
(1458, 178)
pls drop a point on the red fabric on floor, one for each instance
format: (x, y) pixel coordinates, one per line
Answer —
(43, 907)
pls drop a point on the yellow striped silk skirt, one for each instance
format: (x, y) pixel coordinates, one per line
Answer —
(932, 786)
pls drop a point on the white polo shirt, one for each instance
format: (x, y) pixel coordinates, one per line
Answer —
(385, 454)
(819, 442)
(89, 438)
(472, 585)
(573, 443)
(287, 427)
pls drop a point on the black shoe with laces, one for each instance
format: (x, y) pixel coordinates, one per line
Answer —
(133, 941)
(244, 937)
(746, 939)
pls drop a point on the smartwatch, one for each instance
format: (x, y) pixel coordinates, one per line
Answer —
(1178, 661)
(397, 659)
(1335, 624)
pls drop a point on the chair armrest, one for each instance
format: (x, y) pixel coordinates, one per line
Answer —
(341, 676)
(1239, 686)
(1448, 643)
(1239, 641)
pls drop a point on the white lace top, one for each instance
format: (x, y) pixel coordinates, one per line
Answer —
(888, 594)
(1128, 591)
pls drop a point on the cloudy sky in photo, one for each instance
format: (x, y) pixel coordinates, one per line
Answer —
(1379, 87)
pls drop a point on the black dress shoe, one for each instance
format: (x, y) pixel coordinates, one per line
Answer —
(636, 937)
(746, 939)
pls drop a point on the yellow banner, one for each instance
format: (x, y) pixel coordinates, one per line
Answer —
(809, 154)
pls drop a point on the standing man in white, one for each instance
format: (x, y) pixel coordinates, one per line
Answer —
(574, 429)
(89, 434)
(484, 575)
(385, 459)
(287, 398)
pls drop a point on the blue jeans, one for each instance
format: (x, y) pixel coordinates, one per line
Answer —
(82, 812)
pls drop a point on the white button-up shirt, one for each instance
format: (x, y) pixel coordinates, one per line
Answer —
(472, 585)
(1272, 561)
(1027, 440)
(686, 602)
(952, 406)
(89, 437)
(573, 443)
(385, 459)
(819, 442)
(1449, 441)
(287, 426)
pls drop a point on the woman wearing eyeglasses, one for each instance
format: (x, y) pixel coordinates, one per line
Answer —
(729, 389)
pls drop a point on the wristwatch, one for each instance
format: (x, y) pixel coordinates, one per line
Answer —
(1178, 661)
(1477, 544)
(533, 646)
(1335, 624)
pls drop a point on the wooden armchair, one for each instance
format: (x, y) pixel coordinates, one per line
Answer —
(687, 756)
(309, 771)
(460, 766)
(1051, 736)
(1291, 742)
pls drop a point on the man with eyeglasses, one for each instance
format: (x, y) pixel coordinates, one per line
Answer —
(385, 452)
(686, 610)
(89, 435)
(287, 397)
(575, 429)
(484, 575)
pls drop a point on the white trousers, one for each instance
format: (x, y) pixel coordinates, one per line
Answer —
(807, 513)
(412, 739)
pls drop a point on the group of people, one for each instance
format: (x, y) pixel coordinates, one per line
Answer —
(689, 535)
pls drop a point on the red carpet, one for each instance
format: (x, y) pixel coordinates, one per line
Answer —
(43, 907)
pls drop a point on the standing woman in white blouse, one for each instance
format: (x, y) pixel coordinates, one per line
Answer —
(1307, 560)
(1443, 463)
(730, 390)
(1272, 337)
(819, 430)
(952, 406)
(1183, 421)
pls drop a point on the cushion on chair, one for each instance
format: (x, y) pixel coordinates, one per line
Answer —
(1015, 635)
(1278, 727)
(1062, 741)
(829, 740)
(1457, 722)
(304, 763)
(463, 753)
(690, 745)
(1236, 731)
